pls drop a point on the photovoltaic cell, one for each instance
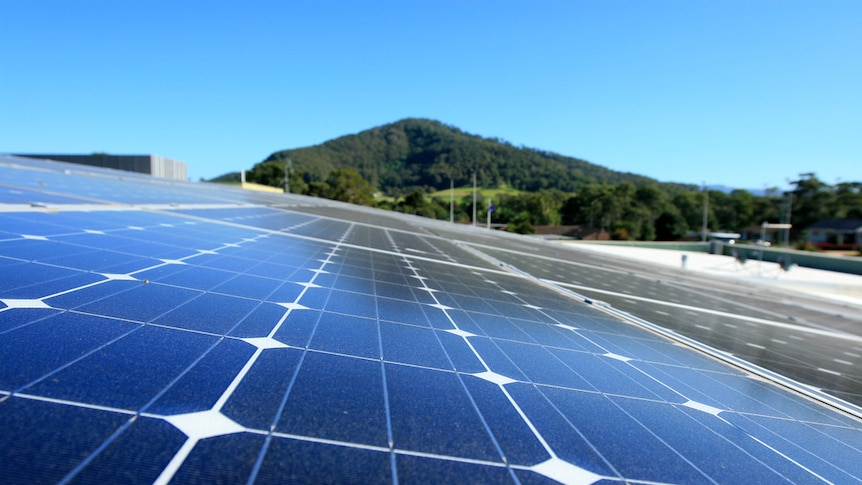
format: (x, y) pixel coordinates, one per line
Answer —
(301, 343)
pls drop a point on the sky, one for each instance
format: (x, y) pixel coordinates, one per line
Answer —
(741, 93)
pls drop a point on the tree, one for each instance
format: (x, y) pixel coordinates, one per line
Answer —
(689, 203)
(812, 201)
(670, 226)
(540, 208)
(348, 186)
(744, 209)
(848, 200)
(271, 174)
(585, 207)
(521, 224)
(649, 202)
(416, 203)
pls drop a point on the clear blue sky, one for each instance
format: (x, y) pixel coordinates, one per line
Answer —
(744, 93)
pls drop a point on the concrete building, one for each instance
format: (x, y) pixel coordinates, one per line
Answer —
(149, 164)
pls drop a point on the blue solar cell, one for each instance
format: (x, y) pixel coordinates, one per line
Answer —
(315, 298)
(259, 398)
(16, 224)
(473, 304)
(193, 277)
(94, 378)
(135, 456)
(226, 263)
(101, 261)
(351, 304)
(32, 351)
(721, 460)
(438, 319)
(499, 327)
(347, 335)
(12, 318)
(422, 421)
(554, 336)
(393, 290)
(201, 386)
(362, 273)
(495, 359)
(412, 345)
(26, 249)
(208, 312)
(541, 366)
(143, 302)
(281, 272)
(298, 328)
(8, 264)
(417, 469)
(153, 250)
(39, 280)
(26, 196)
(290, 291)
(392, 278)
(462, 356)
(516, 440)
(84, 295)
(260, 321)
(738, 438)
(808, 443)
(617, 433)
(604, 376)
(517, 310)
(723, 390)
(650, 349)
(349, 283)
(305, 462)
(401, 311)
(567, 442)
(44, 441)
(222, 459)
(248, 286)
(337, 398)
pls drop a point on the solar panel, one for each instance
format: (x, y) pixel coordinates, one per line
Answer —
(813, 341)
(258, 344)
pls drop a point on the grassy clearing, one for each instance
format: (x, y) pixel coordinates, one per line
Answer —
(467, 191)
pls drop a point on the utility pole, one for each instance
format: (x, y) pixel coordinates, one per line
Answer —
(789, 212)
(288, 166)
(705, 212)
(474, 197)
(451, 200)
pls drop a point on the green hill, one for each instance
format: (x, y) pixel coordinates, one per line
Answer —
(420, 153)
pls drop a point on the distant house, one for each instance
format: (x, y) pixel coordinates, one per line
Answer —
(836, 233)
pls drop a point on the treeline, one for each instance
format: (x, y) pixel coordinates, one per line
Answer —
(625, 211)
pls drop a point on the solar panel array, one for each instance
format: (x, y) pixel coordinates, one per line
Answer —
(253, 344)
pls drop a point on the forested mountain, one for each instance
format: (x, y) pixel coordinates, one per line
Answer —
(420, 153)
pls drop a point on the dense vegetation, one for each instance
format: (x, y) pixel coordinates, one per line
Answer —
(404, 166)
(653, 212)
